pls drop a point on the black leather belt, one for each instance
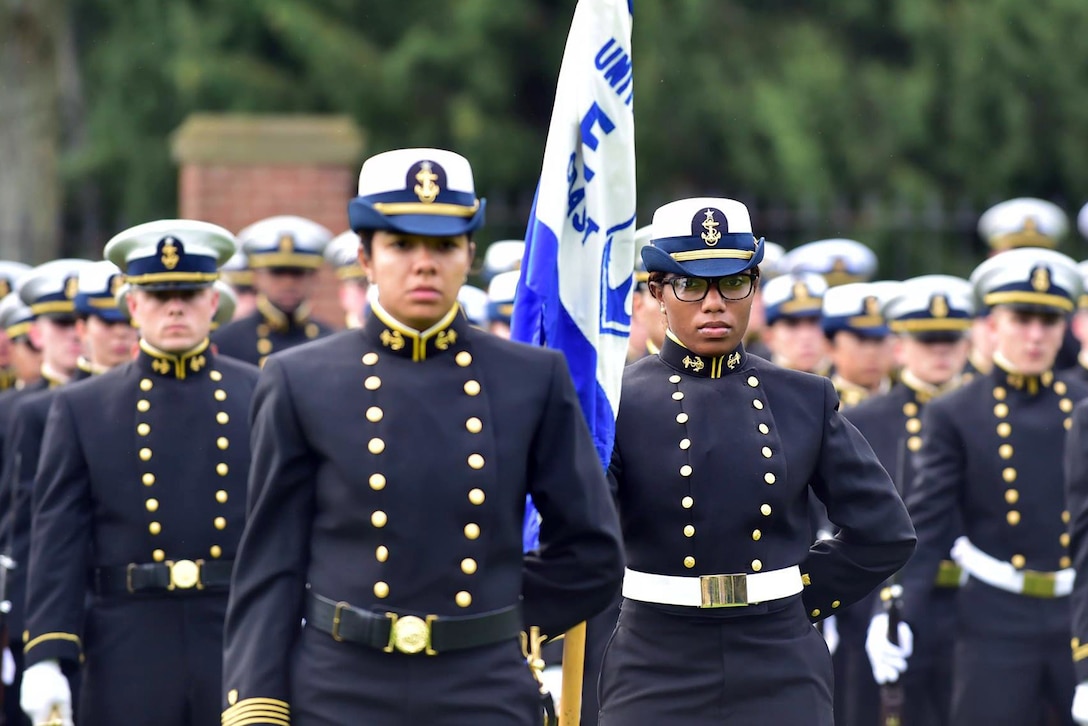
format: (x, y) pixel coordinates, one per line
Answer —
(167, 576)
(430, 634)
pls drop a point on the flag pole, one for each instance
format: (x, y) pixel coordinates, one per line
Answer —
(574, 658)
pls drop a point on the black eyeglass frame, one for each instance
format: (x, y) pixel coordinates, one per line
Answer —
(716, 281)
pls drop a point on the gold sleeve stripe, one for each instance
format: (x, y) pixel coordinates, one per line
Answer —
(272, 702)
(262, 720)
(1080, 653)
(270, 711)
(52, 636)
(250, 708)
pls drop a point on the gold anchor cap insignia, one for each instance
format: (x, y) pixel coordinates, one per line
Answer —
(116, 283)
(800, 291)
(170, 257)
(711, 235)
(71, 287)
(1040, 279)
(427, 189)
(938, 307)
(287, 243)
(872, 306)
(5, 288)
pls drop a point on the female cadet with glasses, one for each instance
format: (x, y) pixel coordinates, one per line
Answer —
(716, 456)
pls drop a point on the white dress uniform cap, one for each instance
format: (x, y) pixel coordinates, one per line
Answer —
(503, 255)
(931, 304)
(474, 302)
(1028, 278)
(97, 291)
(856, 307)
(171, 253)
(1023, 222)
(285, 241)
(702, 237)
(839, 260)
(15, 315)
(501, 293)
(772, 257)
(642, 238)
(236, 271)
(343, 254)
(1082, 221)
(51, 288)
(798, 295)
(10, 274)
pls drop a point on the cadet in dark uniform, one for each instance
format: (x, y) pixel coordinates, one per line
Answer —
(139, 503)
(931, 317)
(26, 358)
(792, 305)
(1076, 486)
(284, 254)
(990, 467)
(717, 455)
(10, 272)
(343, 254)
(857, 336)
(391, 466)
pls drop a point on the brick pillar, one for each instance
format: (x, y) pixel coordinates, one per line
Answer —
(237, 169)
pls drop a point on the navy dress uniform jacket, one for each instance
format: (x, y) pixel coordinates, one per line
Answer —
(1076, 483)
(390, 473)
(265, 331)
(141, 468)
(714, 465)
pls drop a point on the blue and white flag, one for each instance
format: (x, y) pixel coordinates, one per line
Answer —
(576, 275)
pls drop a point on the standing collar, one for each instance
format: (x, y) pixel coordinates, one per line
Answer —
(173, 365)
(925, 392)
(678, 356)
(53, 377)
(1006, 374)
(384, 330)
(279, 320)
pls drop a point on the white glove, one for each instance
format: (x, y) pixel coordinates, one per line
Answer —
(46, 689)
(831, 634)
(7, 668)
(1080, 704)
(888, 661)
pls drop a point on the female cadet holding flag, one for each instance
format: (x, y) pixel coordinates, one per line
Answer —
(391, 466)
(716, 455)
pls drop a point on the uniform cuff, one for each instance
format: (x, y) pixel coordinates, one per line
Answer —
(62, 646)
(254, 711)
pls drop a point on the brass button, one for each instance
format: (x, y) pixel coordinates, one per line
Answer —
(146, 384)
(816, 613)
(756, 565)
(835, 604)
(678, 395)
(143, 429)
(1001, 410)
(914, 425)
(263, 330)
(1008, 474)
(472, 531)
(764, 428)
(1060, 388)
(914, 443)
(687, 502)
(475, 461)
(689, 530)
(148, 479)
(1012, 496)
(765, 510)
(264, 346)
(145, 454)
(220, 522)
(216, 552)
(222, 442)
(758, 404)
(1018, 561)
(375, 446)
(753, 381)
(766, 451)
(220, 394)
(1013, 518)
(377, 482)
(158, 555)
(370, 359)
(1065, 405)
(154, 528)
(222, 417)
(222, 469)
(379, 519)
(674, 378)
(1065, 562)
(1004, 429)
(221, 496)
(1067, 423)
(381, 589)
(1064, 539)
(474, 425)
(1005, 451)
(463, 359)
(468, 566)
(910, 408)
(382, 553)
(374, 414)
(152, 505)
(143, 405)
(476, 496)
(372, 383)
(1065, 517)
(681, 418)
(689, 562)
(756, 535)
(685, 470)
(215, 376)
(769, 478)
(472, 388)
(685, 444)
(463, 599)
(999, 394)
(312, 330)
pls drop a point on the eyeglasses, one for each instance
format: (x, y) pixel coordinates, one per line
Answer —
(694, 289)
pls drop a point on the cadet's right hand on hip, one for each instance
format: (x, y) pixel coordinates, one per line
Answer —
(45, 695)
(1080, 704)
(888, 660)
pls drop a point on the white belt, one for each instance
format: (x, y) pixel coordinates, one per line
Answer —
(1002, 575)
(712, 591)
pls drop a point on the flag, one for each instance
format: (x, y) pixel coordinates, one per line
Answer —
(576, 276)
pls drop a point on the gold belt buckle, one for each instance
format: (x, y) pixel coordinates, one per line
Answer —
(948, 574)
(723, 591)
(185, 575)
(410, 634)
(1039, 584)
